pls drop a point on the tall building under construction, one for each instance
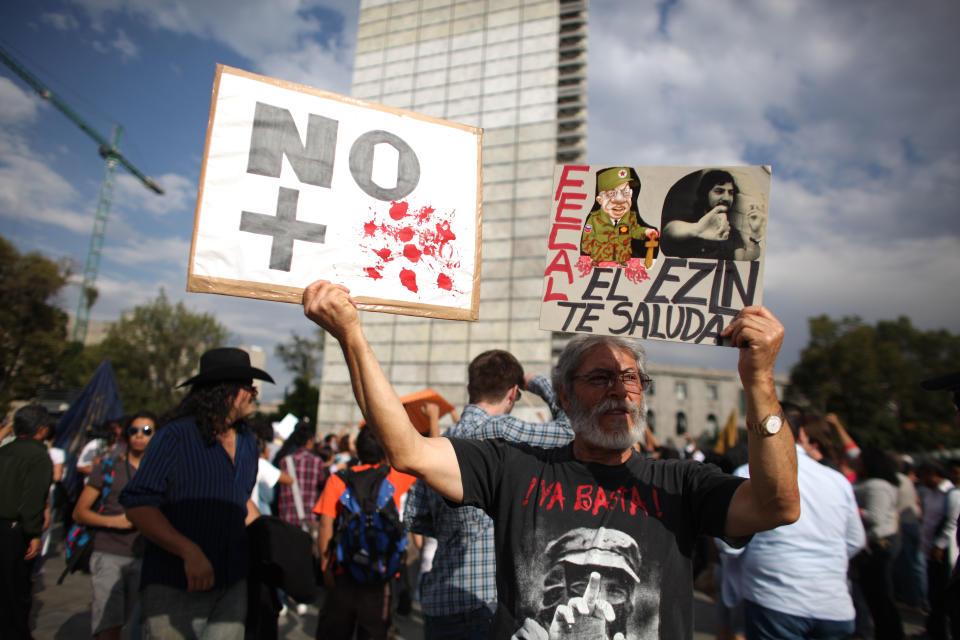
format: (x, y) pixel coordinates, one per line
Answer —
(518, 69)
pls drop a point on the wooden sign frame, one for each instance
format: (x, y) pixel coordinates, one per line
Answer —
(667, 253)
(214, 261)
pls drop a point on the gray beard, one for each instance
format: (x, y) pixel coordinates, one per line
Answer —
(585, 423)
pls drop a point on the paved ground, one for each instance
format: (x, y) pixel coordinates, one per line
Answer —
(62, 612)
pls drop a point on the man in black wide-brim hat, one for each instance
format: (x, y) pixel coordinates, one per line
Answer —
(190, 498)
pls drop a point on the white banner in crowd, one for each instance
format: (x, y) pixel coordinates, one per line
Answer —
(669, 253)
(300, 184)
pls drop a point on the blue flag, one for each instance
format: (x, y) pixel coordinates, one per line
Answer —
(99, 401)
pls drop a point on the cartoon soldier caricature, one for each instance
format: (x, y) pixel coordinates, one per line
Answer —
(614, 230)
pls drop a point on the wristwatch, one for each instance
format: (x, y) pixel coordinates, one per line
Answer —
(769, 426)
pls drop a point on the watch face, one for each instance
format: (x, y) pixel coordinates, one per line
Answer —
(772, 424)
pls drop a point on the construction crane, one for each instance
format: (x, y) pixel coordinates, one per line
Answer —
(112, 156)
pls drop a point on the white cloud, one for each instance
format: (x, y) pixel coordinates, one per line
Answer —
(128, 50)
(287, 35)
(19, 106)
(848, 102)
(179, 195)
(144, 249)
(121, 43)
(60, 21)
(313, 64)
(32, 192)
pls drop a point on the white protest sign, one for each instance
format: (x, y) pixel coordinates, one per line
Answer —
(286, 426)
(300, 184)
(669, 253)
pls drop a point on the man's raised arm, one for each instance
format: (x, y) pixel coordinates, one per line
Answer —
(771, 496)
(433, 459)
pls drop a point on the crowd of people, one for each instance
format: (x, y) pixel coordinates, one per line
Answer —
(205, 525)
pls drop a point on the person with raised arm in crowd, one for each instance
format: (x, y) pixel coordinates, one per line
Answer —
(459, 593)
(191, 497)
(117, 547)
(598, 485)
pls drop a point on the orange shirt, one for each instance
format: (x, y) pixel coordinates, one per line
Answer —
(329, 501)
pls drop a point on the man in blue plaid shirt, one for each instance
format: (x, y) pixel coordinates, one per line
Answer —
(459, 594)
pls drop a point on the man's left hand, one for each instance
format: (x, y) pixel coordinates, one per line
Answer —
(33, 549)
(758, 335)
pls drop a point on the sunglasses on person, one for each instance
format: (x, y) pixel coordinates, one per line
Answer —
(147, 431)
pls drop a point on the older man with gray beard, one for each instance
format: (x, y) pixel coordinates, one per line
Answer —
(598, 483)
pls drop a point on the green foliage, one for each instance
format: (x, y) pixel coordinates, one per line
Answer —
(153, 348)
(301, 402)
(302, 356)
(33, 331)
(870, 377)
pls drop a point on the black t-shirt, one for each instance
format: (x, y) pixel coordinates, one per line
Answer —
(558, 520)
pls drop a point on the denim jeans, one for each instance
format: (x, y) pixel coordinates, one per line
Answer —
(472, 625)
(767, 624)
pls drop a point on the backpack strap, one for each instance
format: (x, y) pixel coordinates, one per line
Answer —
(362, 488)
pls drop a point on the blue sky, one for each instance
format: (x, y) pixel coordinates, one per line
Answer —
(854, 104)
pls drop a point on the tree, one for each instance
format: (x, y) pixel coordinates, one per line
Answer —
(869, 376)
(303, 357)
(33, 330)
(301, 402)
(155, 347)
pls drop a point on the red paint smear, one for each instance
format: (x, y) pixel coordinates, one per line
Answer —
(408, 279)
(423, 236)
(398, 210)
(411, 253)
(443, 231)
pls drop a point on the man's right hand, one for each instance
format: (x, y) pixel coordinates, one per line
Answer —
(198, 570)
(714, 225)
(330, 306)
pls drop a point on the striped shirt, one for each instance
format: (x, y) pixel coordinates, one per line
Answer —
(204, 496)
(463, 577)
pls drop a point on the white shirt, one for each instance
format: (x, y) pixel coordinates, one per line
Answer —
(267, 477)
(801, 569)
(941, 508)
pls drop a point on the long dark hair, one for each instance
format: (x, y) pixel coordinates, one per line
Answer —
(709, 180)
(210, 405)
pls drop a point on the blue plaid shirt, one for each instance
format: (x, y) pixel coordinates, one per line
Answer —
(463, 577)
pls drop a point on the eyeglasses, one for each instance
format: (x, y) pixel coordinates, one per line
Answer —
(147, 431)
(250, 388)
(519, 395)
(631, 380)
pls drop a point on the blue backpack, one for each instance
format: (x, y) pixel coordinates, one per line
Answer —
(369, 541)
